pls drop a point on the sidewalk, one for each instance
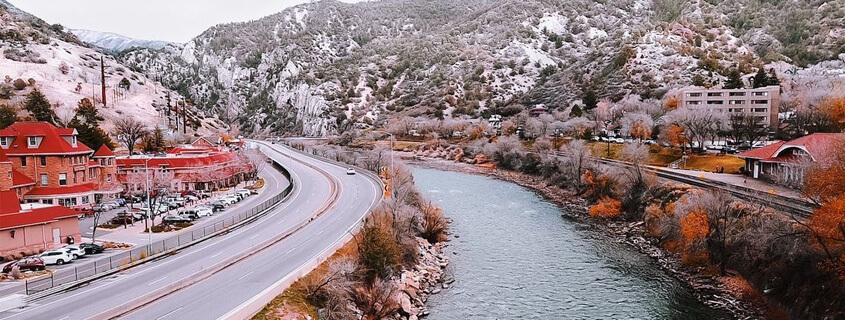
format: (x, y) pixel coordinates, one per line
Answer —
(740, 181)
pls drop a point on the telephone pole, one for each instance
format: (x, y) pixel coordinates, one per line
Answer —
(103, 78)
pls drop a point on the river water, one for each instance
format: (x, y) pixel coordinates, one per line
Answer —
(514, 257)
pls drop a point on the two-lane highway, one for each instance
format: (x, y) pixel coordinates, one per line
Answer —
(320, 188)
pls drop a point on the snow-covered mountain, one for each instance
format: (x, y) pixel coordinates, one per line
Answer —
(321, 67)
(65, 70)
(115, 42)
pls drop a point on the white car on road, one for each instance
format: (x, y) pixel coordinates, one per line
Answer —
(350, 171)
(230, 199)
(59, 257)
(75, 251)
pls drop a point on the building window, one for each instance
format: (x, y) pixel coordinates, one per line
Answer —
(62, 179)
(43, 160)
(4, 141)
(73, 140)
(47, 201)
(32, 142)
(693, 103)
(714, 94)
(737, 94)
(759, 102)
(44, 180)
(84, 199)
(716, 102)
(23, 161)
(760, 110)
(737, 102)
(761, 94)
(694, 94)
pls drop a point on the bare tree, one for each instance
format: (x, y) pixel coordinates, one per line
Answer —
(129, 132)
(699, 124)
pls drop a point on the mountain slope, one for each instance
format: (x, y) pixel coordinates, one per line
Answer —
(66, 71)
(115, 42)
(321, 67)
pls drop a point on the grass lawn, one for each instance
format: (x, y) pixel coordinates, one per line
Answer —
(710, 163)
(658, 156)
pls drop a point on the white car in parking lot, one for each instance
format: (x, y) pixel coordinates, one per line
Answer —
(58, 257)
(75, 251)
(230, 199)
(203, 211)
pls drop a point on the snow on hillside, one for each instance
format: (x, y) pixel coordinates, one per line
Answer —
(115, 42)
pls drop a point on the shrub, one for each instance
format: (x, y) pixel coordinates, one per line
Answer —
(378, 251)
(19, 84)
(434, 225)
(606, 208)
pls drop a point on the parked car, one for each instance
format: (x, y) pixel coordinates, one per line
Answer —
(58, 257)
(191, 198)
(243, 192)
(25, 264)
(350, 171)
(230, 199)
(619, 140)
(189, 213)
(217, 206)
(83, 212)
(204, 211)
(170, 219)
(75, 251)
(121, 219)
(91, 248)
(202, 194)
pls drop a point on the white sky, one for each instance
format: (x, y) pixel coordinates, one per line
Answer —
(169, 20)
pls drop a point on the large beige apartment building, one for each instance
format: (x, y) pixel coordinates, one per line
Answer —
(762, 103)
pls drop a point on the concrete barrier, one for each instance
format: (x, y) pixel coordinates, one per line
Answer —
(11, 301)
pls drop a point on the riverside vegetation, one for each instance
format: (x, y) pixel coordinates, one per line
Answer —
(744, 257)
(390, 267)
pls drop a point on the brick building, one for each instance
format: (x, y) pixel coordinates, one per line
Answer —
(50, 166)
(187, 168)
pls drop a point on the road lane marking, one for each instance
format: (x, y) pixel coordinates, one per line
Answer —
(217, 254)
(245, 275)
(280, 222)
(169, 313)
(154, 282)
(253, 237)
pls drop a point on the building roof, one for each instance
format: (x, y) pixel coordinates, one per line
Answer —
(178, 161)
(58, 191)
(762, 153)
(103, 152)
(19, 179)
(816, 145)
(34, 216)
(9, 202)
(52, 143)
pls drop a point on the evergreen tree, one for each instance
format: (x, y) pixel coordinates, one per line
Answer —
(698, 80)
(91, 135)
(773, 78)
(158, 139)
(88, 112)
(590, 100)
(38, 106)
(576, 111)
(8, 116)
(734, 80)
(760, 79)
(124, 84)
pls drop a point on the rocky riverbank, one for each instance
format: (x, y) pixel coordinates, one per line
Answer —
(730, 293)
(428, 277)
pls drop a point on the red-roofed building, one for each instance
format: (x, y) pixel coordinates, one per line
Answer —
(53, 167)
(31, 228)
(786, 162)
(188, 168)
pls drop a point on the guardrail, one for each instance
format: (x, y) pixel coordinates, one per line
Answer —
(64, 279)
(788, 205)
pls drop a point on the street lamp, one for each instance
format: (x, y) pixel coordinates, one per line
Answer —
(149, 214)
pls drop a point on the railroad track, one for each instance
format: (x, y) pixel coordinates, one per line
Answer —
(783, 204)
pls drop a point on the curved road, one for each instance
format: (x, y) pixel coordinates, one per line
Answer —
(316, 184)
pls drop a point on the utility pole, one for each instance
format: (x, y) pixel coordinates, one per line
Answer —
(103, 78)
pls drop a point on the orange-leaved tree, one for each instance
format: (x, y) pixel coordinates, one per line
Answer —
(825, 185)
(606, 208)
(694, 229)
